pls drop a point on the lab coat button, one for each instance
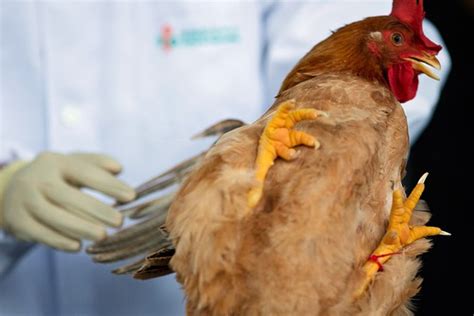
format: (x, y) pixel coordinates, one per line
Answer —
(71, 115)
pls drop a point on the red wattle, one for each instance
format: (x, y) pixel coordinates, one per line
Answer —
(403, 81)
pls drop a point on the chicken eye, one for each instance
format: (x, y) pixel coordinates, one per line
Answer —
(397, 39)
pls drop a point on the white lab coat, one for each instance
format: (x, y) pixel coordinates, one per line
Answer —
(108, 77)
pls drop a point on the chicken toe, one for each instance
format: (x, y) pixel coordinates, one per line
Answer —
(399, 233)
(278, 140)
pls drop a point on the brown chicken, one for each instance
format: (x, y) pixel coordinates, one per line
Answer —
(251, 234)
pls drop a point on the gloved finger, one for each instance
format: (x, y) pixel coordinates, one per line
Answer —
(90, 176)
(64, 222)
(83, 205)
(38, 232)
(102, 161)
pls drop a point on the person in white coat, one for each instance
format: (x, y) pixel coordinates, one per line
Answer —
(133, 80)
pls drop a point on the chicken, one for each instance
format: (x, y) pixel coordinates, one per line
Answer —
(250, 234)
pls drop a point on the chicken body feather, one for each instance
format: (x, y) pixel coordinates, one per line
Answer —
(321, 215)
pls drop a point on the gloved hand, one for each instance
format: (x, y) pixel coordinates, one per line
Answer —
(42, 201)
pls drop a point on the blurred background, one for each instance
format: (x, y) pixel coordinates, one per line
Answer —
(443, 150)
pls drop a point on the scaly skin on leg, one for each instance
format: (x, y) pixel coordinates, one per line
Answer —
(399, 233)
(278, 139)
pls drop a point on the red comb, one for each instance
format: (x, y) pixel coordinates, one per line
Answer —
(411, 13)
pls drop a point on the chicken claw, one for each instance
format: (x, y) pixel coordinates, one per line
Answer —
(399, 233)
(278, 139)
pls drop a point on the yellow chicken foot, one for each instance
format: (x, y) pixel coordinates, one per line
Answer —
(399, 233)
(278, 139)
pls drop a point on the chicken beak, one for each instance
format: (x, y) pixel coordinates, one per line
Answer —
(422, 62)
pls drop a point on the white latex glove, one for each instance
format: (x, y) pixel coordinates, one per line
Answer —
(42, 200)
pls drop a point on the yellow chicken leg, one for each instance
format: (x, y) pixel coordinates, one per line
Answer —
(399, 233)
(278, 139)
